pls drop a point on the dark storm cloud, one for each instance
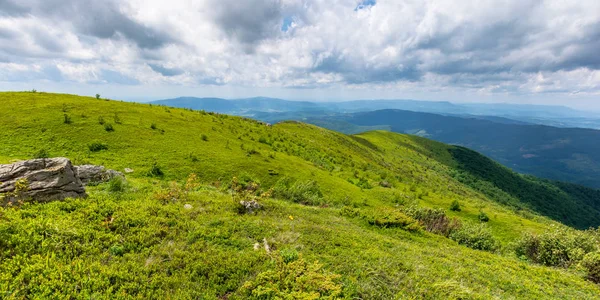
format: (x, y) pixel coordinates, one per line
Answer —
(250, 21)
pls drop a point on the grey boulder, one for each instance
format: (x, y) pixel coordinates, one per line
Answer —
(47, 179)
(91, 174)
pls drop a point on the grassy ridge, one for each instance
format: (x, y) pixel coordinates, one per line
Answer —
(137, 244)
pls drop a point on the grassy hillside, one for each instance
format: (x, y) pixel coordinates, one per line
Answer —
(350, 203)
(565, 154)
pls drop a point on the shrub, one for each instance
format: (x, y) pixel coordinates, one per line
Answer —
(97, 96)
(591, 265)
(42, 153)
(101, 120)
(117, 184)
(153, 126)
(108, 127)
(289, 255)
(483, 217)
(18, 195)
(434, 220)
(263, 140)
(155, 170)
(390, 218)
(557, 247)
(204, 137)
(67, 119)
(363, 183)
(305, 192)
(476, 237)
(295, 279)
(117, 250)
(455, 206)
(97, 146)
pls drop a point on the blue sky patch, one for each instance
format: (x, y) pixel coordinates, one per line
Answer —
(365, 3)
(287, 23)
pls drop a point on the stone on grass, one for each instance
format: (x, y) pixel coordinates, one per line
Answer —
(47, 179)
(91, 174)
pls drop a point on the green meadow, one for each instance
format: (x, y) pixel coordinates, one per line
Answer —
(376, 215)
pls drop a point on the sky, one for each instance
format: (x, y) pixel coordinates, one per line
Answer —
(518, 51)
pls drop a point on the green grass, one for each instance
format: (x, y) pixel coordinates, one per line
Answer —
(135, 242)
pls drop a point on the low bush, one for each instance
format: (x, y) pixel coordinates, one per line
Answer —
(156, 170)
(476, 237)
(304, 192)
(67, 119)
(108, 127)
(390, 218)
(434, 220)
(455, 206)
(293, 279)
(483, 217)
(97, 146)
(42, 153)
(591, 265)
(117, 184)
(558, 247)
(289, 255)
(204, 137)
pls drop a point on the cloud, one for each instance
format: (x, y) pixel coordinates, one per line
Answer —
(248, 22)
(10, 8)
(469, 46)
(102, 19)
(165, 71)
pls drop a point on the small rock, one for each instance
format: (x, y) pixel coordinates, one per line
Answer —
(385, 184)
(188, 206)
(256, 246)
(128, 170)
(90, 174)
(251, 206)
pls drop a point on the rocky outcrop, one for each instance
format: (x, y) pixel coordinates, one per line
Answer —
(91, 174)
(46, 179)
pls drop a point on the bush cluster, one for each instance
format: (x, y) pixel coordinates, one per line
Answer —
(293, 279)
(97, 146)
(591, 264)
(434, 220)
(477, 237)
(390, 218)
(557, 247)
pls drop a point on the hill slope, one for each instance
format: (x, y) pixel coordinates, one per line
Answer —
(566, 154)
(337, 199)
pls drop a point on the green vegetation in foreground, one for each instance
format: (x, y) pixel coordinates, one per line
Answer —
(365, 216)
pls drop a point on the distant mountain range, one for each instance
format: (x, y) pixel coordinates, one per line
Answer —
(515, 135)
(558, 116)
